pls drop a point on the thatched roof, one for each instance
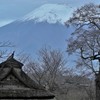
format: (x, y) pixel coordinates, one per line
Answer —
(21, 85)
(11, 62)
(25, 93)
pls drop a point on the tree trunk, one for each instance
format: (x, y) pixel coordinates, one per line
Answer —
(98, 86)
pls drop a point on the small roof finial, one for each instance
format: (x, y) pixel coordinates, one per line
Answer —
(12, 55)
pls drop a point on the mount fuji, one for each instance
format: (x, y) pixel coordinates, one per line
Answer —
(52, 13)
(43, 26)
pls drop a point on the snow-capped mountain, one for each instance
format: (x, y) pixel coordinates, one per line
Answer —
(40, 27)
(52, 13)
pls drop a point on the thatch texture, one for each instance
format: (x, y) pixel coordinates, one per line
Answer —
(14, 83)
(25, 93)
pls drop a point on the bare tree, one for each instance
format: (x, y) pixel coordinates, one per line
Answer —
(50, 65)
(85, 40)
(50, 70)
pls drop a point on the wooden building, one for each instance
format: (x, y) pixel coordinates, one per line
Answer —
(15, 84)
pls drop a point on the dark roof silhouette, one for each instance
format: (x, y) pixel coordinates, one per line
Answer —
(14, 83)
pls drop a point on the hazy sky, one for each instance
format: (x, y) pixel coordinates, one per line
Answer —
(13, 9)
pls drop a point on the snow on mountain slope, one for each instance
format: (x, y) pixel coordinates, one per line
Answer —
(52, 13)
